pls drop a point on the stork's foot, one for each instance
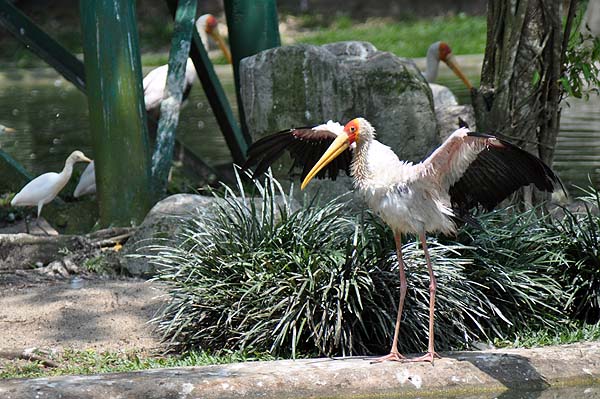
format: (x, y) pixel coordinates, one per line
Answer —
(392, 356)
(428, 357)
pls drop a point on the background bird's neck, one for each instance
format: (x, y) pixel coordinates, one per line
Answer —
(433, 63)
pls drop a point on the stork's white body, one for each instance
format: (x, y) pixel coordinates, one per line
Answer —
(87, 182)
(155, 81)
(408, 197)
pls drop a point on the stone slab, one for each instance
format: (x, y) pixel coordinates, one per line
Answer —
(458, 373)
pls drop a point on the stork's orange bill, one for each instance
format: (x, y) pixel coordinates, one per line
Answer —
(217, 37)
(450, 60)
(339, 145)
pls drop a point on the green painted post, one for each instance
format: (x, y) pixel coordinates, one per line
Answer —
(253, 27)
(117, 114)
(169, 108)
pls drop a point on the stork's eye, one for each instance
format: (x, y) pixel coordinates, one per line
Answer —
(352, 129)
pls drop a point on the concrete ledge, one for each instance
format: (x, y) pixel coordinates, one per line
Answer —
(458, 373)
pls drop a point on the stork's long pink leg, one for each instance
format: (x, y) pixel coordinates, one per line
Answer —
(394, 354)
(430, 355)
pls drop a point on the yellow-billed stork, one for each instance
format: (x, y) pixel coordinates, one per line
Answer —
(469, 170)
(154, 91)
(442, 96)
(155, 81)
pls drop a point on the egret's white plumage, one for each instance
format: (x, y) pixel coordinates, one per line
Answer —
(468, 170)
(46, 187)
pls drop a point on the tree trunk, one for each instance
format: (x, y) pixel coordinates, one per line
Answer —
(519, 94)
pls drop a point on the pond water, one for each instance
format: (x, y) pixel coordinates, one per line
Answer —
(51, 118)
(582, 392)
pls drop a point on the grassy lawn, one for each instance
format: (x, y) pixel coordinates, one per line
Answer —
(465, 34)
(80, 362)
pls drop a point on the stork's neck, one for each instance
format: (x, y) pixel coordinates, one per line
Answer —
(361, 172)
(433, 63)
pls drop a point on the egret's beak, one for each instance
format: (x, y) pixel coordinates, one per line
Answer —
(86, 159)
(339, 145)
(451, 62)
(217, 37)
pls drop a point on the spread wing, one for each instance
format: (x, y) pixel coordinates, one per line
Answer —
(481, 170)
(306, 145)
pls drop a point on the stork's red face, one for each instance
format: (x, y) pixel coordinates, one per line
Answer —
(351, 130)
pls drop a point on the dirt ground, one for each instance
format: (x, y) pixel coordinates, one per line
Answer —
(81, 312)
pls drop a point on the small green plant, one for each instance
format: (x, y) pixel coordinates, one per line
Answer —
(565, 334)
(98, 264)
(581, 76)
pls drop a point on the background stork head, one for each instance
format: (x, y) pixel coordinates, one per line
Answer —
(444, 53)
(209, 24)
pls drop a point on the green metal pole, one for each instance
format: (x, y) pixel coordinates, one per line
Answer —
(253, 27)
(117, 114)
(169, 108)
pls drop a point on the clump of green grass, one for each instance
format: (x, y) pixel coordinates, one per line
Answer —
(514, 256)
(568, 333)
(73, 361)
(465, 34)
(579, 240)
(258, 275)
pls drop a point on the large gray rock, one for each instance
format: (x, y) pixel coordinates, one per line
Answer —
(165, 221)
(304, 85)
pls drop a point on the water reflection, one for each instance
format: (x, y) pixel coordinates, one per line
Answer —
(51, 117)
(581, 392)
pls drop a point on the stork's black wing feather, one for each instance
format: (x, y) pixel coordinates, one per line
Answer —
(306, 145)
(498, 171)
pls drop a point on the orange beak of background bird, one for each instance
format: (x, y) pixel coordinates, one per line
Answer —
(217, 37)
(451, 62)
(339, 145)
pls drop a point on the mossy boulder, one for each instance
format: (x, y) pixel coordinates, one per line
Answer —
(304, 85)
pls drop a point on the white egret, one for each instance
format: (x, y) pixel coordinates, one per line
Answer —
(46, 187)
